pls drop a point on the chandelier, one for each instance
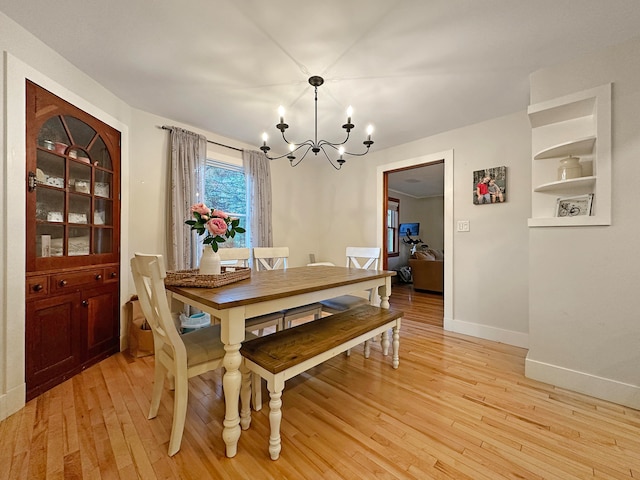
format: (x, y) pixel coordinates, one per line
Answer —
(316, 146)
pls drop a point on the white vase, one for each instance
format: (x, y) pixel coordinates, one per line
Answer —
(569, 168)
(209, 262)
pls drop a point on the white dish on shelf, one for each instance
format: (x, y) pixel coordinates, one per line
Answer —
(55, 182)
(77, 217)
(101, 189)
(82, 186)
(98, 217)
(54, 217)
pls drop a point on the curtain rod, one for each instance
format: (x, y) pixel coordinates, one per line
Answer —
(209, 141)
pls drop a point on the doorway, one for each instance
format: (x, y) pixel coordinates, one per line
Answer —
(446, 158)
(419, 194)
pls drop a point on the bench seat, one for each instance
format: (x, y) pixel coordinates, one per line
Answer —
(284, 354)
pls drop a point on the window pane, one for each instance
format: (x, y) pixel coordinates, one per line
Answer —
(393, 212)
(225, 189)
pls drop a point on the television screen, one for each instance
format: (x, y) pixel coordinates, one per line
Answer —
(409, 229)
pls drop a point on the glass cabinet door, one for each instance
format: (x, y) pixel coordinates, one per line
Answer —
(73, 183)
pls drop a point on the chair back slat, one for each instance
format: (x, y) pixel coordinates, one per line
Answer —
(270, 258)
(238, 255)
(363, 257)
(148, 275)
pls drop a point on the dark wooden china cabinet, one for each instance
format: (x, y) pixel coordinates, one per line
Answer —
(72, 240)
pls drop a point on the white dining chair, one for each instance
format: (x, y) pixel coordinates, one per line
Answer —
(234, 257)
(273, 258)
(357, 257)
(178, 357)
(240, 257)
(270, 258)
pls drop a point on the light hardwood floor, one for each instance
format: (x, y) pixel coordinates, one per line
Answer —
(457, 407)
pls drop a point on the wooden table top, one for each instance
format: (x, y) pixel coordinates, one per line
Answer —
(273, 284)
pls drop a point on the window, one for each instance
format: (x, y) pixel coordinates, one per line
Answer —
(225, 189)
(393, 215)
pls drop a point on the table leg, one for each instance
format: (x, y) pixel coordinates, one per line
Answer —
(231, 385)
(385, 292)
(232, 334)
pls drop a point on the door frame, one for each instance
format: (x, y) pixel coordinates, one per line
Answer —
(381, 193)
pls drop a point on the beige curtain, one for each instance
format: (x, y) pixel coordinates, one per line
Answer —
(186, 184)
(258, 176)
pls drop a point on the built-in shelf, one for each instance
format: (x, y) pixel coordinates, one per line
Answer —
(576, 125)
(566, 185)
(583, 146)
(582, 221)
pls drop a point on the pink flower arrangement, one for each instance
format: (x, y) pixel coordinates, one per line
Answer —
(215, 224)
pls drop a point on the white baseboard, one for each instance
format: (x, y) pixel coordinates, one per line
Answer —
(12, 401)
(599, 387)
(517, 339)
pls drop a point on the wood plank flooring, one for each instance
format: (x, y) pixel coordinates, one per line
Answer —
(457, 408)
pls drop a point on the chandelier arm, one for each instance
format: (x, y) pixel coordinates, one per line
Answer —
(329, 159)
(301, 158)
(275, 158)
(335, 145)
(298, 145)
(305, 153)
(357, 154)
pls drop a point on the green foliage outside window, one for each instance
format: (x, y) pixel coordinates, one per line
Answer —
(225, 189)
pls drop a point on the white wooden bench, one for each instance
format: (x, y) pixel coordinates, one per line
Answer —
(284, 354)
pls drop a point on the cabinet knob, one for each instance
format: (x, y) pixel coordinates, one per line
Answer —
(98, 277)
(62, 283)
(37, 287)
(85, 303)
(114, 274)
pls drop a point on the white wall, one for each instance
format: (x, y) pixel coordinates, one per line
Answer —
(302, 220)
(493, 308)
(344, 205)
(584, 328)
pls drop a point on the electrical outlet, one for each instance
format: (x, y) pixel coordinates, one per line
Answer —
(463, 225)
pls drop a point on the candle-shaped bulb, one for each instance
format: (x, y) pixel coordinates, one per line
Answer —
(292, 147)
(349, 113)
(369, 131)
(341, 151)
(265, 137)
(281, 113)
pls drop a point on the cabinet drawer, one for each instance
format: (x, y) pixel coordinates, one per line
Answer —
(37, 287)
(111, 274)
(70, 281)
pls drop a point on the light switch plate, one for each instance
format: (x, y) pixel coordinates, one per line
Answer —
(463, 225)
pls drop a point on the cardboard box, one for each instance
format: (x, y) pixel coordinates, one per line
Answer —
(140, 334)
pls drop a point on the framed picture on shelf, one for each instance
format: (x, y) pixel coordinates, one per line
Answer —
(574, 206)
(490, 186)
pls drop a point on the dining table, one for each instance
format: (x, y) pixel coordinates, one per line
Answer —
(267, 292)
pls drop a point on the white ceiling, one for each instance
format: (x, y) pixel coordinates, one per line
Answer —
(412, 68)
(418, 182)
